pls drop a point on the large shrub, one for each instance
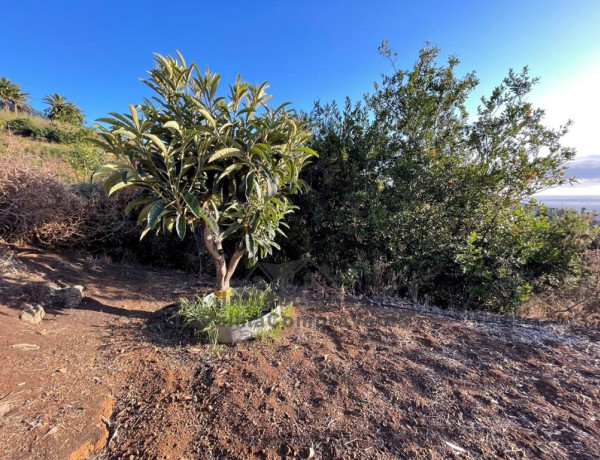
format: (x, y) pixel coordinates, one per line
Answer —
(412, 195)
(65, 133)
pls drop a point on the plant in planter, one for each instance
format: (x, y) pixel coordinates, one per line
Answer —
(225, 164)
(246, 314)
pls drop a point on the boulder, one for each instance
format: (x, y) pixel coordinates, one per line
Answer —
(32, 313)
(69, 297)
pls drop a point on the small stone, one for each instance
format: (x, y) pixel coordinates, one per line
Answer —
(62, 370)
(69, 297)
(32, 314)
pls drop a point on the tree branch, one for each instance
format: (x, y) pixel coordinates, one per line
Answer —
(233, 263)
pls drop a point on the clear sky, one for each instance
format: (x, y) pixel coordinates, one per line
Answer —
(95, 52)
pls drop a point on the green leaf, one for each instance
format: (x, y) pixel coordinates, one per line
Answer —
(193, 203)
(227, 152)
(108, 168)
(111, 181)
(145, 232)
(206, 114)
(144, 212)
(172, 124)
(194, 206)
(134, 116)
(307, 150)
(134, 204)
(154, 214)
(181, 226)
(231, 229)
(125, 132)
(229, 169)
(118, 186)
(156, 141)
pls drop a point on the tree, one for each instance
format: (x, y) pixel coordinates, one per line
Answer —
(61, 110)
(12, 99)
(223, 163)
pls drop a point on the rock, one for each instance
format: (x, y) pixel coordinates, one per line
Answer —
(69, 297)
(32, 313)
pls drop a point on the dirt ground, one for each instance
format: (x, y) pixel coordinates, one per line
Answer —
(115, 379)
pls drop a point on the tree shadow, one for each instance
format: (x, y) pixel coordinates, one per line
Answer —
(158, 328)
(14, 294)
(91, 304)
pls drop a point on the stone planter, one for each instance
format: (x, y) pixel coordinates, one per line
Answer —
(230, 333)
(250, 329)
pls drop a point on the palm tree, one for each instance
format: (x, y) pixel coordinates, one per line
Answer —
(12, 99)
(5, 89)
(59, 109)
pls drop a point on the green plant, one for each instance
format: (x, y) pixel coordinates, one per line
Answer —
(274, 333)
(205, 314)
(85, 157)
(223, 163)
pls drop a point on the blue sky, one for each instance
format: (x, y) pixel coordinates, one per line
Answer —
(95, 52)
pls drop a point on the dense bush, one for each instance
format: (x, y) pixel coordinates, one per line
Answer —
(411, 195)
(39, 208)
(63, 133)
(67, 134)
(26, 127)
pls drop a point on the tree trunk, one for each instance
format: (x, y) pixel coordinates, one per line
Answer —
(214, 244)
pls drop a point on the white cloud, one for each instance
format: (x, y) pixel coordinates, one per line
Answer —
(576, 97)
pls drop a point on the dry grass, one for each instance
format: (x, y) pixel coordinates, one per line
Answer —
(44, 156)
(577, 302)
(38, 207)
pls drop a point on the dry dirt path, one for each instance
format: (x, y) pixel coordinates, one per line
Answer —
(57, 379)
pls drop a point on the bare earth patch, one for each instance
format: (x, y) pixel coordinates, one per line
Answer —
(337, 384)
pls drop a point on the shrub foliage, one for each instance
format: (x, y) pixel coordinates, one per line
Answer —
(412, 195)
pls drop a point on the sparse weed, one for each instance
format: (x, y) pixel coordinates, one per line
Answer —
(274, 333)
